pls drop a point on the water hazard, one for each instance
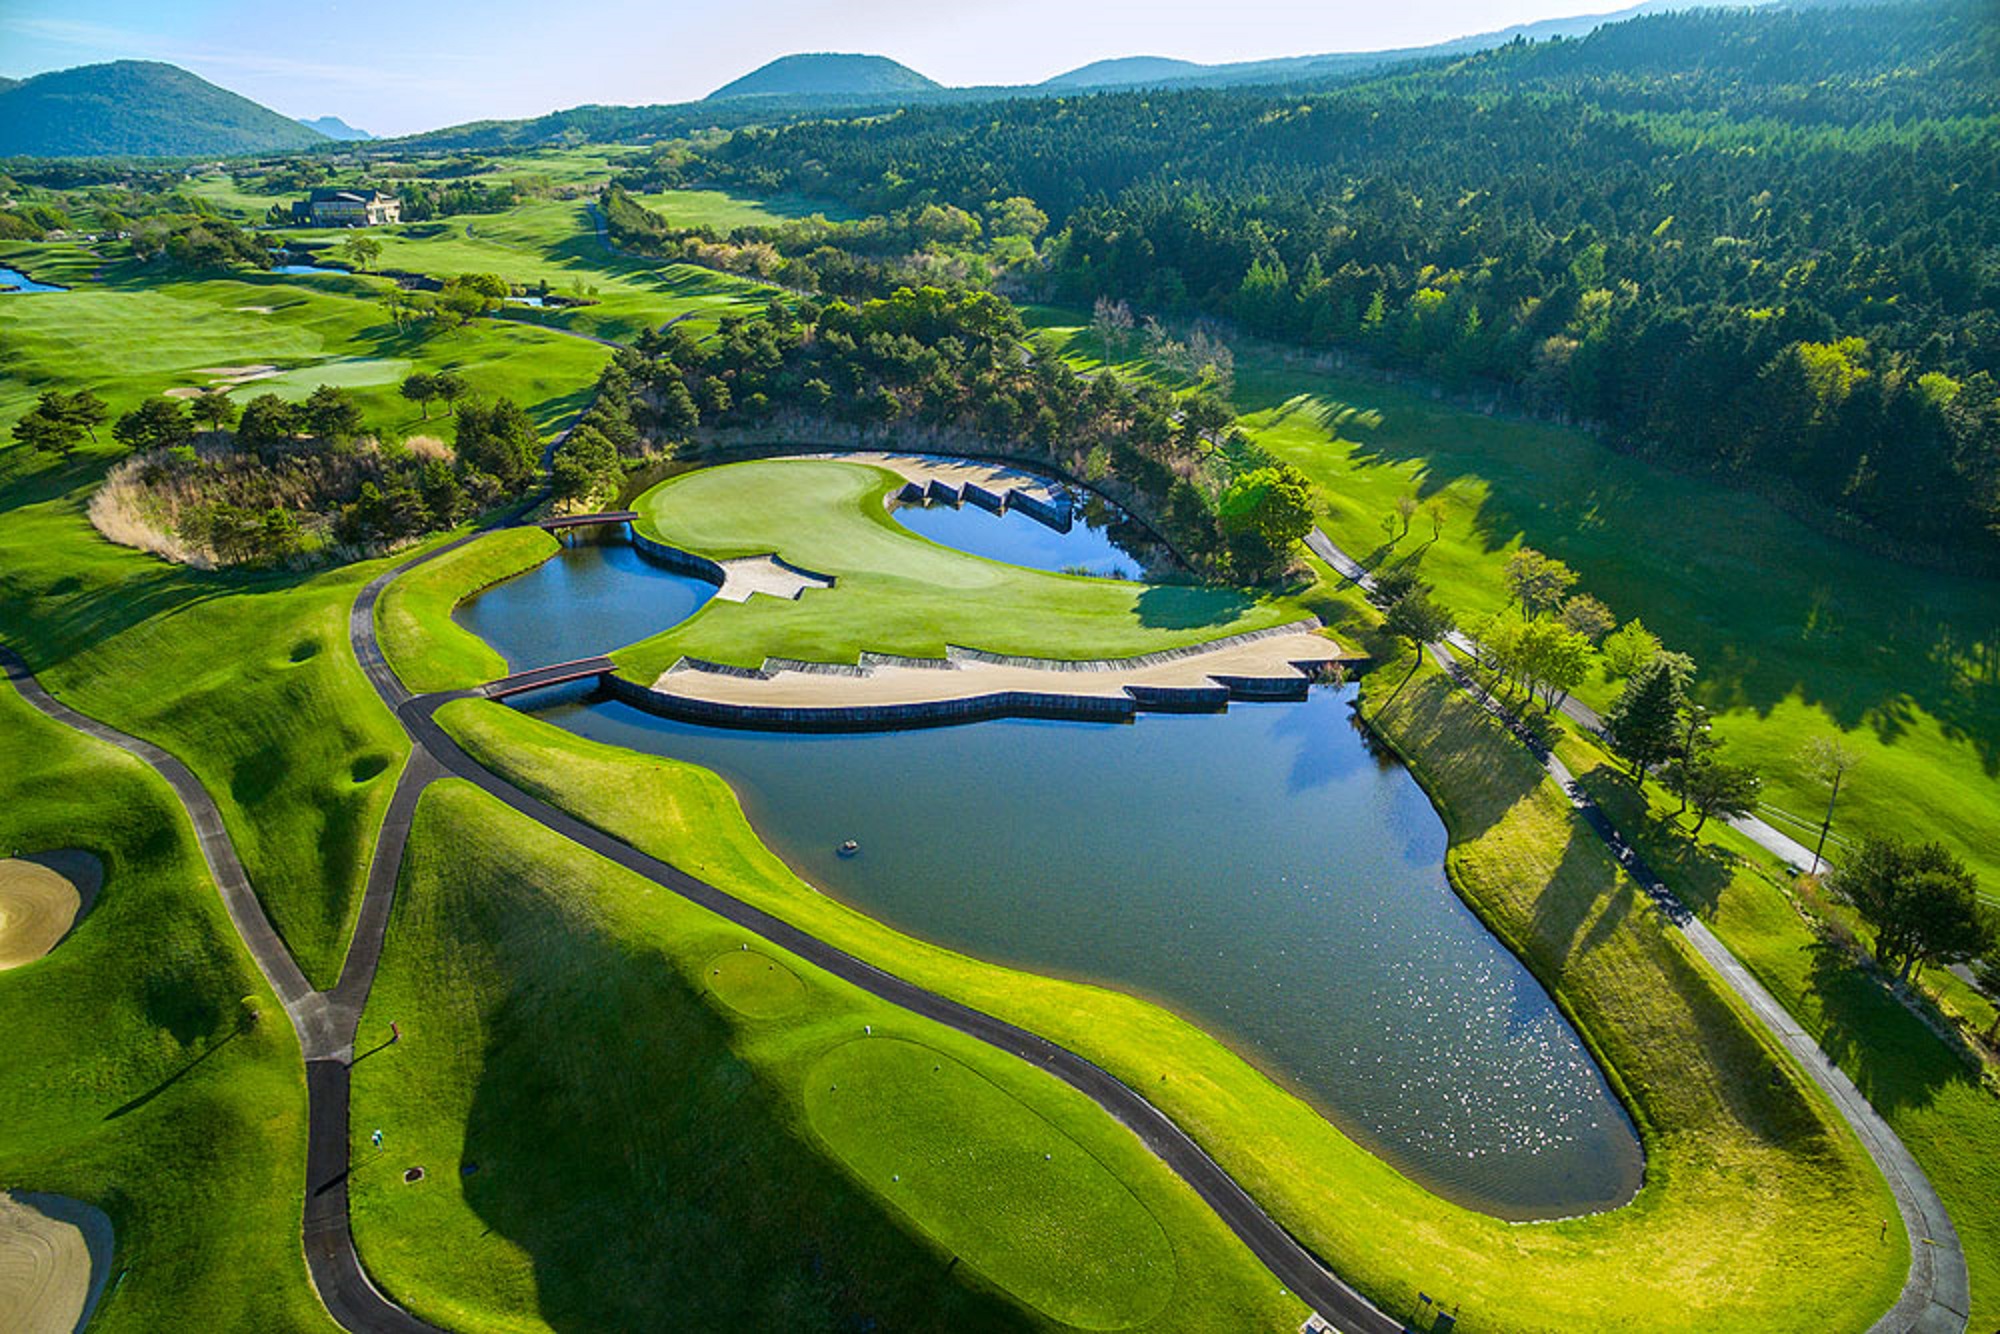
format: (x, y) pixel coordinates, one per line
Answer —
(596, 594)
(1261, 872)
(1100, 541)
(13, 281)
(1264, 872)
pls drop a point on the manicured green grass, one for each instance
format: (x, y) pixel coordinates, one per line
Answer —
(1933, 1099)
(135, 335)
(895, 592)
(129, 1079)
(247, 678)
(555, 241)
(957, 1154)
(650, 1156)
(726, 210)
(1754, 1190)
(1797, 634)
(429, 649)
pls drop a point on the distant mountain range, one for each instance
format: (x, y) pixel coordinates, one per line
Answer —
(138, 108)
(827, 75)
(333, 127)
(868, 77)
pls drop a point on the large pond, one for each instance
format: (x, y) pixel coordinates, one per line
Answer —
(1262, 871)
(1099, 541)
(14, 281)
(596, 594)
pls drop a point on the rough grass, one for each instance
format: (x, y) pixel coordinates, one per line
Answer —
(646, 1157)
(1754, 1191)
(429, 649)
(127, 1080)
(896, 592)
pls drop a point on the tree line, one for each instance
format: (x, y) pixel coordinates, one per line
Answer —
(1754, 243)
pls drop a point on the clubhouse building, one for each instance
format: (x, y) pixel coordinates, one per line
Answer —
(335, 207)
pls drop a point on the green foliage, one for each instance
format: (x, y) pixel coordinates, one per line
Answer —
(158, 423)
(1265, 511)
(585, 464)
(1630, 647)
(500, 440)
(1920, 900)
(1643, 723)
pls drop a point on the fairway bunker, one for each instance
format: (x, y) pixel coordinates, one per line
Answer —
(41, 898)
(55, 1253)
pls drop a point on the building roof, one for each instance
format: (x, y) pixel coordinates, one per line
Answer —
(337, 195)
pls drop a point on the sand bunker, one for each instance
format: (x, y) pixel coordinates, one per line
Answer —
(767, 575)
(41, 898)
(258, 310)
(1283, 654)
(55, 1253)
(224, 378)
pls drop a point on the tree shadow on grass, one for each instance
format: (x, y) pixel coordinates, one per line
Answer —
(176, 1077)
(1889, 1053)
(653, 1177)
(1181, 607)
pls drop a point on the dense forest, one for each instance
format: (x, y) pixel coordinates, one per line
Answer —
(1764, 243)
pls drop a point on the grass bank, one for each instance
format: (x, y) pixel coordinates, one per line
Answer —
(1753, 1189)
(895, 592)
(629, 1121)
(130, 1079)
(429, 649)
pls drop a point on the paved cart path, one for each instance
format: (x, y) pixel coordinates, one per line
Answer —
(1937, 1295)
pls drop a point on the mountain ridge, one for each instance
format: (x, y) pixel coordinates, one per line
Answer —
(826, 74)
(138, 108)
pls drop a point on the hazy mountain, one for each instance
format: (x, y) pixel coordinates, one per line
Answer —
(827, 75)
(1125, 70)
(138, 108)
(333, 127)
(1160, 71)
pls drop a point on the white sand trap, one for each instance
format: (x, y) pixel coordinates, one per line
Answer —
(55, 1254)
(258, 310)
(41, 898)
(186, 391)
(766, 575)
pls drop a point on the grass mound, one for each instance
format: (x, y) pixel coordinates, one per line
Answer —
(429, 649)
(992, 1181)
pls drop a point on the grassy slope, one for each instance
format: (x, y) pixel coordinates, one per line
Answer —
(1933, 1099)
(430, 650)
(726, 210)
(555, 242)
(1797, 634)
(896, 592)
(649, 1154)
(124, 1081)
(1753, 1191)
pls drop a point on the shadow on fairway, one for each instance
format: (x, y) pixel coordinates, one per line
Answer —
(1180, 607)
(1885, 1049)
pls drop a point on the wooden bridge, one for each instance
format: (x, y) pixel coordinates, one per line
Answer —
(555, 674)
(584, 520)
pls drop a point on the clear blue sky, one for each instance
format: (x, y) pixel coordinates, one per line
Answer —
(397, 66)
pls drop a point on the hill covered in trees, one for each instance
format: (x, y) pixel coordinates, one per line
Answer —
(826, 75)
(1761, 243)
(138, 108)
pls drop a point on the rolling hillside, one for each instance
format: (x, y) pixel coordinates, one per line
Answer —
(138, 108)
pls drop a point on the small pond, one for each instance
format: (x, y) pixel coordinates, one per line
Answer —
(13, 281)
(1264, 872)
(596, 594)
(534, 301)
(1100, 540)
(299, 270)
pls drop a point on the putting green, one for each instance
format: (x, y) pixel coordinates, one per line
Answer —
(40, 900)
(896, 592)
(341, 373)
(53, 1256)
(992, 1181)
(755, 985)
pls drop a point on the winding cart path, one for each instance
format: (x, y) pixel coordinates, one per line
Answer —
(1937, 1295)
